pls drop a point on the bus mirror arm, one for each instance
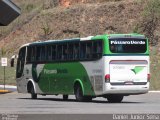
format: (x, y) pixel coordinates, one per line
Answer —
(12, 60)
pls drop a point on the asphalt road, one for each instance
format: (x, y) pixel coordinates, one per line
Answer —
(17, 103)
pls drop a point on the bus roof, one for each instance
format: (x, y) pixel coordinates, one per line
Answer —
(132, 35)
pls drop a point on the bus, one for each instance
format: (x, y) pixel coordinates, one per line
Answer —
(110, 66)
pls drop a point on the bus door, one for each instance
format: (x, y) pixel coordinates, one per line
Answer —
(21, 62)
(20, 68)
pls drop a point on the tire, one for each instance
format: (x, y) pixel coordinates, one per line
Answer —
(33, 94)
(79, 95)
(65, 97)
(115, 98)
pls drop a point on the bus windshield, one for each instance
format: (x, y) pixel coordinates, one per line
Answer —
(128, 45)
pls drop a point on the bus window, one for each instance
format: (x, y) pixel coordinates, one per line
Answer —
(38, 49)
(70, 51)
(42, 53)
(83, 50)
(65, 52)
(21, 62)
(128, 45)
(89, 50)
(76, 51)
(49, 53)
(29, 51)
(59, 52)
(33, 54)
(97, 49)
(54, 49)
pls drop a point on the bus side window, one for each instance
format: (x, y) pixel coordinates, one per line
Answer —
(97, 49)
(83, 50)
(54, 47)
(33, 54)
(49, 53)
(89, 50)
(38, 51)
(76, 51)
(21, 62)
(59, 52)
(65, 52)
(29, 51)
(42, 54)
(70, 51)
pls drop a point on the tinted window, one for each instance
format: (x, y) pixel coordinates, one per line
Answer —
(59, 52)
(97, 49)
(127, 45)
(71, 51)
(20, 62)
(53, 51)
(49, 53)
(31, 53)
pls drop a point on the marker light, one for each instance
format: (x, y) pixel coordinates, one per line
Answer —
(107, 78)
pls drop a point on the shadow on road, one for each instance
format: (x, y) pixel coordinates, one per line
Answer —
(74, 100)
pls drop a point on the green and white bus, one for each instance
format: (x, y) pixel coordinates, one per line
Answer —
(110, 66)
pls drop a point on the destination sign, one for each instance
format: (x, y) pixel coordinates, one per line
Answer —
(117, 42)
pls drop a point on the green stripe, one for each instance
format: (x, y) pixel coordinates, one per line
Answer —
(60, 78)
(126, 55)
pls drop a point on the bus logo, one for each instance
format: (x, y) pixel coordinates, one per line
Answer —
(137, 69)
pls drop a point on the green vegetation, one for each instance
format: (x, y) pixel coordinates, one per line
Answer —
(10, 75)
(9, 72)
(46, 29)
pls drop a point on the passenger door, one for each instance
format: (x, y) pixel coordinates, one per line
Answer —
(21, 62)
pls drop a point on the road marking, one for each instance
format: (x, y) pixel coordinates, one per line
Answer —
(154, 91)
(4, 91)
(8, 86)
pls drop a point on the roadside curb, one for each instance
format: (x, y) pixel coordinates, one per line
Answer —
(5, 91)
(8, 89)
(8, 86)
(154, 91)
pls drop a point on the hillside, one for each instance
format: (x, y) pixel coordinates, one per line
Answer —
(76, 20)
(59, 19)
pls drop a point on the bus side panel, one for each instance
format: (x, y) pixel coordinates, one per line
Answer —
(27, 76)
(95, 71)
(60, 78)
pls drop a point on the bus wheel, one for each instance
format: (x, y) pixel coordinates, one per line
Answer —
(33, 94)
(65, 97)
(115, 98)
(79, 93)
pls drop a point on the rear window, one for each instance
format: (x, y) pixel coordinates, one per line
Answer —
(127, 45)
